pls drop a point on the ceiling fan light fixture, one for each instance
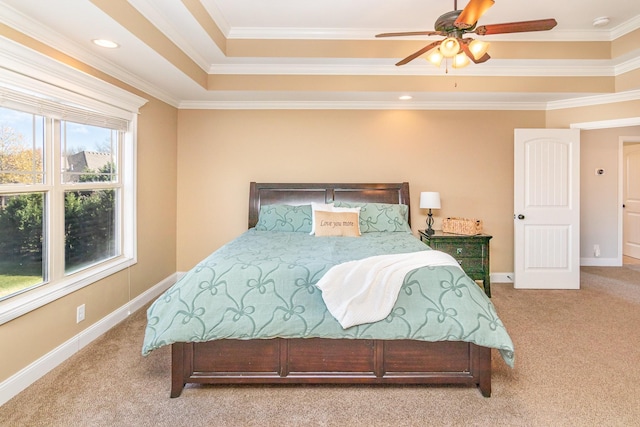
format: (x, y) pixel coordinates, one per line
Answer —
(449, 47)
(478, 48)
(460, 60)
(435, 57)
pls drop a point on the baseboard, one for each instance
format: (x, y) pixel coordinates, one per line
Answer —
(30, 374)
(600, 262)
(501, 277)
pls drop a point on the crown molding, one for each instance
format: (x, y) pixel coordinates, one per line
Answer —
(218, 17)
(587, 101)
(292, 33)
(607, 124)
(150, 11)
(31, 28)
(25, 69)
(625, 28)
(381, 67)
(357, 105)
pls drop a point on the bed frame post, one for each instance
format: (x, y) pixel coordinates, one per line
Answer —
(177, 369)
(482, 365)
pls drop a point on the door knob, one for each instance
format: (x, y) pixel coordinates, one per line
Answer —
(520, 216)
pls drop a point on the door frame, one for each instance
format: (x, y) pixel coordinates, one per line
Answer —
(621, 141)
(607, 124)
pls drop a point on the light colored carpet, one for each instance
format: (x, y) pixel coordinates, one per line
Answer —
(577, 355)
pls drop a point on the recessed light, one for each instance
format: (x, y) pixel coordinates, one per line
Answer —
(106, 43)
(601, 21)
(405, 97)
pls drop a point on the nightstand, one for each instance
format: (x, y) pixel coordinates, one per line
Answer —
(472, 252)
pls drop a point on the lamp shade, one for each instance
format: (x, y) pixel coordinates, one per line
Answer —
(430, 200)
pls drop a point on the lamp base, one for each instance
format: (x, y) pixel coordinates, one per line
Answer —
(429, 231)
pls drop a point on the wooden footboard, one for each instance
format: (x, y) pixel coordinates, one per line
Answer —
(330, 361)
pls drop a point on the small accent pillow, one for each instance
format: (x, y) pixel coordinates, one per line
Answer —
(337, 224)
(381, 216)
(284, 218)
(315, 207)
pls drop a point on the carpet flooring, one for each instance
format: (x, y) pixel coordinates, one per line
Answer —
(577, 355)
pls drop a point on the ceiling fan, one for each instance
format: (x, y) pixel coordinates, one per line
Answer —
(455, 24)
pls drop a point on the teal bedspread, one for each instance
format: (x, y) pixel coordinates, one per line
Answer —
(262, 285)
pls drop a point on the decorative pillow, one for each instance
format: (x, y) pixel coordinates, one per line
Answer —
(381, 216)
(315, 207)
(337, 224)
(284, 218)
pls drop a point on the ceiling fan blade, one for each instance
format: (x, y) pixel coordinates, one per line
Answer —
(411, 33)
(414, 55)
(484, 58)
(471, 13)
(516, 27)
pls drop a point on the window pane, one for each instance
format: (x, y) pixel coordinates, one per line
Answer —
(21, 244)
(90, 228)
(89, 153)
(21, 147)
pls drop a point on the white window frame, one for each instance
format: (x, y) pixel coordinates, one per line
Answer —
(39, 76)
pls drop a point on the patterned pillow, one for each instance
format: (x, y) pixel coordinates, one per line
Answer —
(284, 218)
(381, 216)
(337, 224)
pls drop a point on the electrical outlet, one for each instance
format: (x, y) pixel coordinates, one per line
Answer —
(80, 313)
(596, 251)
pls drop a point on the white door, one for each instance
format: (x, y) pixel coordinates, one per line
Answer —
(631, 197)
(547, 209)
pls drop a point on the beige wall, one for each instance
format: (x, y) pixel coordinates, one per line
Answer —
(35, 334)
(465, 155)
(599, 204)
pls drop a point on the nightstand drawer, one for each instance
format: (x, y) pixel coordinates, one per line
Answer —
(471, 265)
(460, 250)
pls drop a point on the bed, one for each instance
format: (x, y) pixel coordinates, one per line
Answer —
(281, 332)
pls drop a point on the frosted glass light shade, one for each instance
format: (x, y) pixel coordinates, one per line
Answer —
(430, 200)
(478, 48)
(460, 60)
(435, 57)
(449, 47)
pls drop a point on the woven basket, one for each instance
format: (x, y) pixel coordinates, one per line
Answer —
(462, 226)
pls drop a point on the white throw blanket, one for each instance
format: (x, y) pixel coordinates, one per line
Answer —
(366, 290)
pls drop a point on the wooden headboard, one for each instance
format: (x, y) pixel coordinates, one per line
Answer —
(298, 194)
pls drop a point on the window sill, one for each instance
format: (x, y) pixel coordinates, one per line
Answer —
(45, 294)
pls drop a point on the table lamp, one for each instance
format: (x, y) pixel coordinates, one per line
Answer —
(430, 200)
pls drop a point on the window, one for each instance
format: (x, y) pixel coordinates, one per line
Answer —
(87, 190)
(67, 189)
